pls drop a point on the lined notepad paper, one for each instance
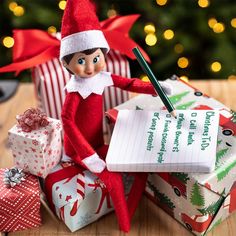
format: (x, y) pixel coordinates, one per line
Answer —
(148, 141)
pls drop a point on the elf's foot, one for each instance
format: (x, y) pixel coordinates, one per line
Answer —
(114, 184)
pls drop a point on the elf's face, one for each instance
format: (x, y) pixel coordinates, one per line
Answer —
(86, 66)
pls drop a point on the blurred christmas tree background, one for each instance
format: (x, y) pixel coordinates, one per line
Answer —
(192, 38)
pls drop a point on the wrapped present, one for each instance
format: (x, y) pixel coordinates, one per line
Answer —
(36, 150)
(19, 200)
(39, 51)
(77, 196)
(198, 201)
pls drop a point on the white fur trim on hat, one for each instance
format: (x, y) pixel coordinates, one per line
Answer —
(82, 41)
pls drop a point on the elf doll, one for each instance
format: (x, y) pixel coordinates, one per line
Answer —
(82, 52)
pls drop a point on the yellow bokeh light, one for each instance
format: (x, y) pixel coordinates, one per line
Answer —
(62, 5)
(8, 41)
(168, 34)
(232, 77)
(144, 78)
(183, 62)
(212, 22)
(184, 78)
(179, 48)
(203, 3)
(218, 28)
(12, 5)
(216, 66)
(149, 28)
(161, 2)
(19, 11)
(151, 39)
(52, 30)
(111, 13)
(233, 22)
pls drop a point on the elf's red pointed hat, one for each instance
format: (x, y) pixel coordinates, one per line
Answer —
(80, 28)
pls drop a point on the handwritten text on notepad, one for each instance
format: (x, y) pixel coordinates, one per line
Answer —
(192, 128)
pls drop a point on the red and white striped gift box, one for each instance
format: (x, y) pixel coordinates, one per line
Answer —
(50, 79)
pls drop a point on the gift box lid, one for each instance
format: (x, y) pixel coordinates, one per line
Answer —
(185, 97)
(41, 134)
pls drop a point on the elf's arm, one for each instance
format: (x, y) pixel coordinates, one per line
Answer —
(138, 86)
(86, 155)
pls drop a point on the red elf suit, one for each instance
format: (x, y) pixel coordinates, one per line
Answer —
(82, 112)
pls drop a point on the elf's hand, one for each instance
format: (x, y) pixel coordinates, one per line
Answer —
(94, 163)
(168, 88)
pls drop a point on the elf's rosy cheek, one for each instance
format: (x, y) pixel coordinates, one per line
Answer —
(78, 70)
(99, 66)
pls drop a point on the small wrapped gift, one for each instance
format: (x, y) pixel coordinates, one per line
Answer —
(19, 200)
(36, 142)
(77, 196)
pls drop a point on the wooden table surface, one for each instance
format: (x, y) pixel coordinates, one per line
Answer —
(149, 219)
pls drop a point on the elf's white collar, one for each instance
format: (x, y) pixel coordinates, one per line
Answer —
(85, 87)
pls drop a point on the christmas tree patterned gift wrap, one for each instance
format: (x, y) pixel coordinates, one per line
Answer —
(19, 201)
(39, 150)
(77, 196)
(198, 201)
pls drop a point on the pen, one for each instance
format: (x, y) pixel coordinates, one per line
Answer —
(154, 82)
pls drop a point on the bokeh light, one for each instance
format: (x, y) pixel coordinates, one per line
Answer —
(8, 41)
(149, 28)
(161, 2)
(203, 3)
(62, 5)
(184, 78)
(19, 11)
(12, 6)
(111, 13)
(212, 22)
(232, 78)
(179, 48)
(144, 78)
(216, 66)
(168, 34)
(233, 22)
(151, 39)
(52, 30)
(183, 62)
(218, 28)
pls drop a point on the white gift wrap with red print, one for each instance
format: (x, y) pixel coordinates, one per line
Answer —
(83, 198)
(38, 151)
(51, 77)
(79, 201)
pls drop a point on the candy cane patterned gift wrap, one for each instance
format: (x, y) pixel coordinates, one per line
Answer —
(37, 151)
(83, 198)
(19, 205)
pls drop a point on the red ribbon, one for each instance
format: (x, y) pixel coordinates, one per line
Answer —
(33, 47)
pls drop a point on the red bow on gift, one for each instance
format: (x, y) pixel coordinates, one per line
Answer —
(33, 47)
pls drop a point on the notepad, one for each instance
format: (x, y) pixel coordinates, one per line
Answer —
(154, 141)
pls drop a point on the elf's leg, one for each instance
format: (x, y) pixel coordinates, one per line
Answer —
(115, 187)
(114, 184)
(136, 192)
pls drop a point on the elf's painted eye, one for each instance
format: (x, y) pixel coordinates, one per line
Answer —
(96, 59)
(81, 61)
